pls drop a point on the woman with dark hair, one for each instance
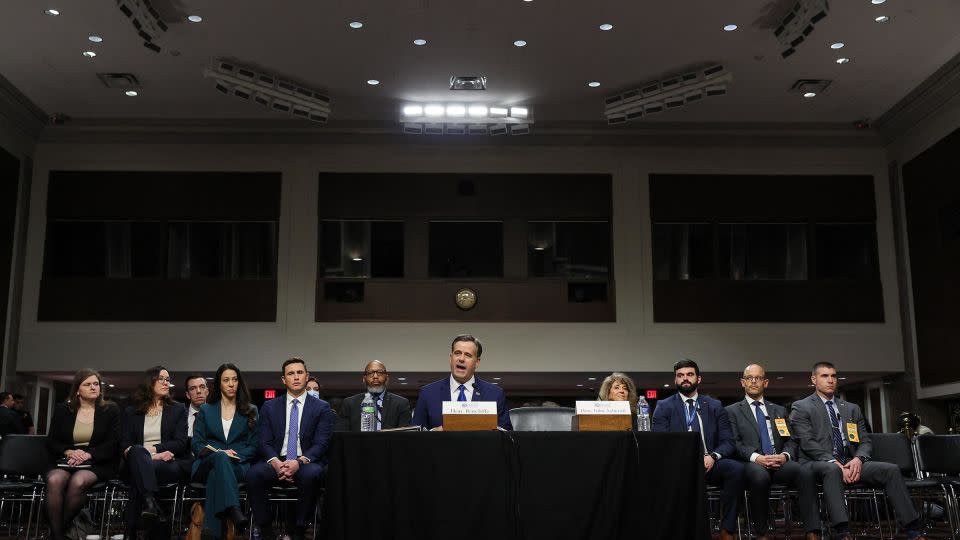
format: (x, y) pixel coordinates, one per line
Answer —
(154, 440)
(83, 443)
(225, 441)
(313, 387)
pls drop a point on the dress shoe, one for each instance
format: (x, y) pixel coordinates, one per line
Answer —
(149, 511)
(236, 516)
(726, 535)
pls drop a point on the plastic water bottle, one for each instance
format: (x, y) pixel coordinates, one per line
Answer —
(368, 414)
(643, 415)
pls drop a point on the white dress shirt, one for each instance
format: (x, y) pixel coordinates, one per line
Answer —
(191, 418)
(301, 399)
(455, 389)
(769, 426)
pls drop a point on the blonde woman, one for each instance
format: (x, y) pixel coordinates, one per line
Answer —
(620, 387)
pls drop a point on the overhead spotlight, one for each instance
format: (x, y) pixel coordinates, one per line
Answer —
(477, 111)
(51, 12)
(459, 119)
(798, 24)
(809, 88)
(268, 90)
(146, 21)
(194, 18)
(882, 19)
(669, 93)
(413, 110)
(419, 41)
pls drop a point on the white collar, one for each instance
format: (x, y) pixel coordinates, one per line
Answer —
(750, 401)
(684, 398)
(302, 398)
(454, 385)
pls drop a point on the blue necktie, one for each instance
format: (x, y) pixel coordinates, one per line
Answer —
(692, 416)
(837, 438)
(462, 396)
(765, 443)
(293, 433)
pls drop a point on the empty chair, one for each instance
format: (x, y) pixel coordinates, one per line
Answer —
(541, 418)
(939, 457)
(23, 458)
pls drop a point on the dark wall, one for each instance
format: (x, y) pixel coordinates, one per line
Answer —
(9, 184)
(931, 185)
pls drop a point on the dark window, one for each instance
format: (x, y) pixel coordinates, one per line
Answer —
(361, 249)
(846, 251)
(762, 251)
(222, 250)
(461, 249)
(76, 249)
(683, 251)
(568, 249)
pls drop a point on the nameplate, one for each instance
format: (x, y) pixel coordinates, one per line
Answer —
(603, 407)
(470, 407)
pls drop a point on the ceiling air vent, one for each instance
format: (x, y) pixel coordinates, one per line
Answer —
(122, 81)
(468, 82)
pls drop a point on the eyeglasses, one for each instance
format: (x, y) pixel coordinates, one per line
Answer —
(380, 372)
(163, 379)
(754, 378)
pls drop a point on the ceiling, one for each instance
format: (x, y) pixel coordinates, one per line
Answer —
(310, 42)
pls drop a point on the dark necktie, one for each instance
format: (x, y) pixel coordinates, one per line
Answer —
(463, 395)
(378, 406)
(293, 432)
(692, 416)
(837, 438)
(765, 445)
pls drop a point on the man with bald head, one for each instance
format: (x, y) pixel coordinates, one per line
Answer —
(763, 438)
(393, 411)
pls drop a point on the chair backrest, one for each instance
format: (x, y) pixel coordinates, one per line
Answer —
(939, 454)
(24, 455)
(541, 418)
(893, 448)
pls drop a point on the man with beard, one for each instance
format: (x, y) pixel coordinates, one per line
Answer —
(461, 385)
(763, 441)
(688, 411)
(393, 411)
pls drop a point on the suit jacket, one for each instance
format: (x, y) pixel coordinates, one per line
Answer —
(746, 429)
(316, 428)
(11, 422)
(812, 428)
(173, 430)
(396, 412)
(670, 416)
(208, 429)
(104, 443)
(429, 411)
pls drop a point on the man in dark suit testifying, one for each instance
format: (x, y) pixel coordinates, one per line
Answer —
(688, 411)
(835, 445)
(295, 431)
(393, 411)
(461, 385)
(763, 441)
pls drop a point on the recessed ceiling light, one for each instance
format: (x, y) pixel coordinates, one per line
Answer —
(837, 45)
(194, 18)
(877, 2)
(412, 110)
(52, 12)
(419, 41)
(95, 38)
(131, 93)
(606, 26)
(593, 84)
(401, 378)
(356, 24)
(404, 382)
(528, 0)
(496, 378)
(591, 378)
(456, 110)
(666, 386)
(809, 94)
(89, 54)
(730, 28)
(779, 378)
(882, 19)
(841, 378)
(433, 110)
(110, 385)
(842, 60)
(519, 43)
(477, 111)
(373, 82)
(358, 259)
(579, 385)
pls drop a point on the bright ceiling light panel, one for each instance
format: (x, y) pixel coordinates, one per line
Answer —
(146, 21)
(459, 119)
(798, 24)
(268, 90)
(668, 93)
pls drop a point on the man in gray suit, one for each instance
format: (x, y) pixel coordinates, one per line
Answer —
(764, 441)
(835, 444)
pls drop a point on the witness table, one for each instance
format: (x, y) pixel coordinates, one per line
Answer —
(515, 486)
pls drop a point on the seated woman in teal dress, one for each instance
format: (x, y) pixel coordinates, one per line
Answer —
(225, 441)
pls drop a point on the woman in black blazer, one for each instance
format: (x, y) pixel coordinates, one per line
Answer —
(83, 443)
(153, 441)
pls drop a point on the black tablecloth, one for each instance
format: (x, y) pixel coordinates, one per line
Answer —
(515, 486)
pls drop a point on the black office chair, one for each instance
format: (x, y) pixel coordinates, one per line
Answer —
(939, 460)
(896, 448)
(541, 418)
(23, 460)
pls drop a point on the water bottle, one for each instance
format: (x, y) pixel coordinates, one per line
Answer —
(368, 414)
(643, 415)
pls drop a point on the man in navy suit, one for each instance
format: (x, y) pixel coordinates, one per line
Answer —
(688, 411)
(461, 385)
(295, 432)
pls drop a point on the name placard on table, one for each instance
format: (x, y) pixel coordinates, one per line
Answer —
(469, 415)
(602, 416)
(603, 407)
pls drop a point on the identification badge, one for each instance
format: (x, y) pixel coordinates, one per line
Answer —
(852, 432)
(782, 427)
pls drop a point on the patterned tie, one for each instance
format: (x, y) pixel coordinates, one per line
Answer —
(837, 438)
(765, 443)
(293, 433)
(691, 416)
(463, 395)
(378, 405)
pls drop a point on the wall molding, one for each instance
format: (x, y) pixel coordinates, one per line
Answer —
(922, 102)
(18, 112)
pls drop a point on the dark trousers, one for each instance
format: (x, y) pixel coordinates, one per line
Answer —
(222, 476)
(261, 477)
(874, 474)
(728, 475)
(144, 475)
(792, 474)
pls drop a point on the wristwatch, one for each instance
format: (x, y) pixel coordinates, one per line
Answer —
(715, 456)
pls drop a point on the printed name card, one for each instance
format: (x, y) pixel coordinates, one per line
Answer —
(603, 407)
(470, 407)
